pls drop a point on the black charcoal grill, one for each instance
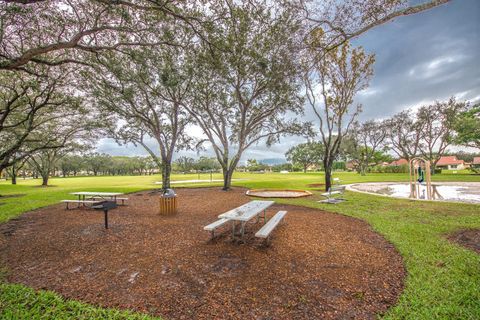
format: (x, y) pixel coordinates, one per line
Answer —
(105, 206)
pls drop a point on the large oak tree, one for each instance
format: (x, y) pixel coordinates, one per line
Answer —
(141, 97)
(28, 104)
(246, 84)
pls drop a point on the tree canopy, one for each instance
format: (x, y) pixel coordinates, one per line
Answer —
(243, 89)
(306, 154)
(330, 86)
(467, 127)
(150, 70)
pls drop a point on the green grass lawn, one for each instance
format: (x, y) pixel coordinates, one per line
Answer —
(443, 280)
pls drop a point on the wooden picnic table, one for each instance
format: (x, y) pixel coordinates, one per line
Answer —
(245, 213)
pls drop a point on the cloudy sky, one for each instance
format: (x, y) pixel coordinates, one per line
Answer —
(421, 58)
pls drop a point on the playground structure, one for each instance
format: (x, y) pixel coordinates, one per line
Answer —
(420, 179)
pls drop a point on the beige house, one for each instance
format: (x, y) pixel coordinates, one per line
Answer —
(451, 163)
(476, 163)
(399, 162)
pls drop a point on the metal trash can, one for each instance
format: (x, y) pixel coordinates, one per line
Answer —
(168, 202)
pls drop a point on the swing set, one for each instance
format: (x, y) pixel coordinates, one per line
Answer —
(420, 176)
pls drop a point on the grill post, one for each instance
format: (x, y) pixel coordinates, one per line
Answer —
(105, 206)
(106, 218)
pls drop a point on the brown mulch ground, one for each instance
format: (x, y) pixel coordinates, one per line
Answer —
(320, 265)
(469, 238)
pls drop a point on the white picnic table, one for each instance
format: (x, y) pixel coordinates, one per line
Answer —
(245, 213)
(83, 194)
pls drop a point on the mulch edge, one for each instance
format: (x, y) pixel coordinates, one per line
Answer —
(453, 237)
(370, 227)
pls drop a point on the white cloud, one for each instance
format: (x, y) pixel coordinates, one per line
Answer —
(369, 92)
(436, 67)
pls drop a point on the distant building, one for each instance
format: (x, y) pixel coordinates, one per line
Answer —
(314, 167)
(351, 165)
(476, 163)
(450, 163)
(399, 162)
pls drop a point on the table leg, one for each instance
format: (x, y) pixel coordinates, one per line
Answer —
(233, 229)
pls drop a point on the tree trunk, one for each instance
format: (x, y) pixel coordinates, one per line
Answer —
(45, 180)
(433, 165)
(363, 169)
(304, 168)
(328, 174)
(13, 174)
(166, 171)
(227, 178)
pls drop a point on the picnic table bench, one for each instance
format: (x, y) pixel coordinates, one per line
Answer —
(267, 228)
(92, 198)
(332, 192)
(242, 215)
(80, 202)
(214, 225)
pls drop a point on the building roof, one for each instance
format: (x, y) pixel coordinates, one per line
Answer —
(449, 160)
(476, 160)
(399, 162)
(352, 164)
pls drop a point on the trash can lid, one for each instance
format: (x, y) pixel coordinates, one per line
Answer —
(169, 193)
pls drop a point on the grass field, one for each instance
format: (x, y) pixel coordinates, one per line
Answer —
(443, 279)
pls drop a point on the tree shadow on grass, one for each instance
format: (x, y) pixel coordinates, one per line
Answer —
(7, 196)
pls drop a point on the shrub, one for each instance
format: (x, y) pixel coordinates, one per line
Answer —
(389, 169)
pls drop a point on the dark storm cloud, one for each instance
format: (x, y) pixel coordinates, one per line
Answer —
(419, 59)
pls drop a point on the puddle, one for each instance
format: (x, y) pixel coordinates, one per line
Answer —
(468, 192)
